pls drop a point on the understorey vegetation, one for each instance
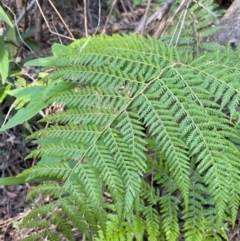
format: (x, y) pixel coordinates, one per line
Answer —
(143, 143)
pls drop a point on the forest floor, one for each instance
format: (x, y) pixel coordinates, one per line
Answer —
(14, 147)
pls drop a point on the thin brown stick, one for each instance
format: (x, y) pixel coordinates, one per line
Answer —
(145, 16)
(59, 15)
(16, 24)
(99, 16)
(46, 21)
(85, 19)
(108, 17)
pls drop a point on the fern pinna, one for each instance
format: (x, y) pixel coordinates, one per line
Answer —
(142, 149)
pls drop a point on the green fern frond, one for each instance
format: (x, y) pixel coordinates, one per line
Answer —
(192, 25)
(51, 189)
(109, 173)
(195, 224)
(114, 230)
(75, 216)
(79, 199)
(67, 151)
(138, 225)
(152, 223)
(88, 176)
(127, 166)
(169, 210)
(150, 194)
(92, 97)
(60, 171)
(140, 124)
(82, 116)
(86, 133)
(32, 219)
(62, 225)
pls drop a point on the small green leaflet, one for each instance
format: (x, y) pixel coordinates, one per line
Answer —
(57, 50)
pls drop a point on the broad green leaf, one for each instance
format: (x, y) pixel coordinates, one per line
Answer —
(27, 34)
(4, 64)
(55, 87)
(40, 62)
(57, 50)
(19, 103)
(5, 18)
(11, 41)
(6, 181)
(28, 92)
(37, 96)
(60, 50)
(36, 104)
(3, 92)
(25, 114)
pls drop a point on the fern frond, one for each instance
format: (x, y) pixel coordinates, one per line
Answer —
(53, 190)
(195, 225)
(67, 151)
(82, 116)
(234, 194)
(138, 225)
(92, 183)
(192, 26)
(86, 133)
(92, 97)
(109, 173)
(75, 216)
(114, 230)
(32, 219)
(60, 171)
(169, 210)
(79, 199)
(150, 194)
(133, 134)
(127, 167)
(167, 136)
(139, 115)
(152, 223)
(62, 225)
